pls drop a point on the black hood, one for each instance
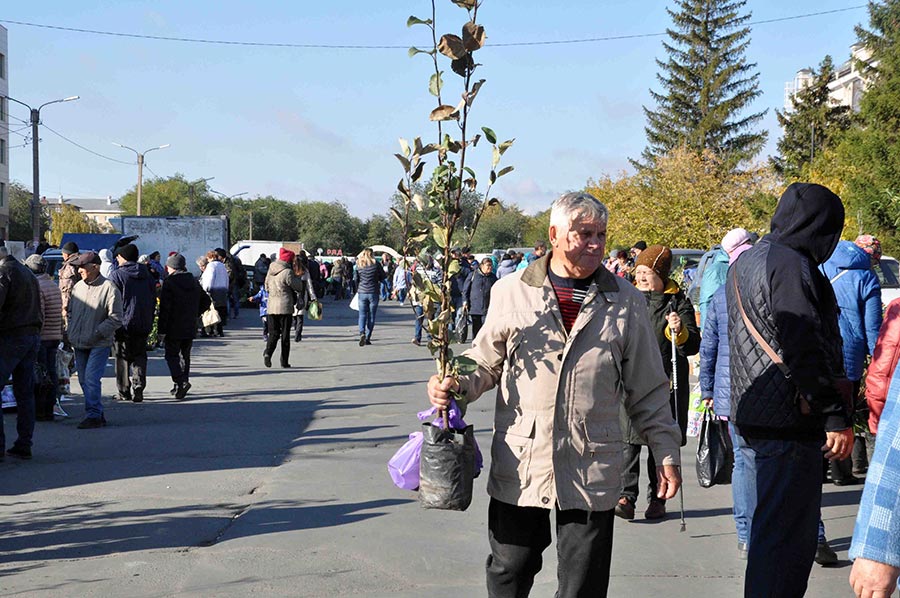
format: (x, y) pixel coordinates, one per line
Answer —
(809, 219)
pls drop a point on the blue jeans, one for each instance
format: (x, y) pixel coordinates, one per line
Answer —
(784, 527)
(401, 295)
(385, 290)
(17, 355)
(368, 305)
(743, 485)
(91, 364)
(420, 316)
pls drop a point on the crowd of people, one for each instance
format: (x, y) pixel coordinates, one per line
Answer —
(591, 357)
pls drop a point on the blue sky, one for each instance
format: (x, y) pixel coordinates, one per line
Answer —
(322, 124)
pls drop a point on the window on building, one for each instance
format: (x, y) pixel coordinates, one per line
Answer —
(2, 151)
(3, 110)
(2, 194)
(2, 66)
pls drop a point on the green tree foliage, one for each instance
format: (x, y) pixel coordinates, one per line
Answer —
(171, 196)
(812, 125)
(501, 227)
(685, 200)
(536, 229)
(380, 231)
(68, 219)
(707, 85)
(20, 213)
(869, 155)
(329, 226)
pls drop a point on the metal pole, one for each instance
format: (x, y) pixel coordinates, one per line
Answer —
(36, 186)
(251, 226)
(190, 199)
(140, 184)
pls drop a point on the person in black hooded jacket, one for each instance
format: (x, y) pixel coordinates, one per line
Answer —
(788, 415)
(138, 290)
(181, 301)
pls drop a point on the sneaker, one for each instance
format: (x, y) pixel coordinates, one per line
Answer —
(19, 452)
(368, 341)
(825, 556)
(743, 549)
(850, 480)
(182, 390)
(138, 395)
(267, 359)
(416, 342)
(174, 390)
(92, 422)
(625, 509)
(123, 396)
(362, 340)
(656, 510)
(286, 365)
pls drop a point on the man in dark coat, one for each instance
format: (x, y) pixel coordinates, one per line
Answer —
(138, 288)
(20, 337)
(787, 383)
(181, 301)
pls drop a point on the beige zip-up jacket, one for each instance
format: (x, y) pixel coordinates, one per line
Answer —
(95, 313)
(556, 426)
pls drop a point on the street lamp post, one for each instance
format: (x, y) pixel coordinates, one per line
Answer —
(191, 193)
(35, 162)
(140, 163)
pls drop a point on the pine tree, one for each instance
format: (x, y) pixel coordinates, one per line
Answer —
(873, 149)
(707, 85)
(811, 126)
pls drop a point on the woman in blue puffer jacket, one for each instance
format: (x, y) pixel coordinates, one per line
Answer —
(858, 295)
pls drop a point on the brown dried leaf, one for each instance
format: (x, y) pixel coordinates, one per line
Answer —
(444, 112)
(452, 46)
(473, 36)
(470, 97)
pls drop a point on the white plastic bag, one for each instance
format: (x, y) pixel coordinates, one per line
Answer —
(354, 303)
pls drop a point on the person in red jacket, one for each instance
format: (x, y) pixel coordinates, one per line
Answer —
(884, 360)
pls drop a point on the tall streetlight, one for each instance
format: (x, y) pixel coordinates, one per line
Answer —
(228, 199)
(35, 163)
(191, 192)
(140, 161)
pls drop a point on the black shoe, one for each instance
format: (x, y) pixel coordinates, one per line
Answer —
(285, 365)
(174, 390)
(267, 359)
(625, 509)
(825, 556)
(368, 341)
(848, 481)
(138, 395)
(221, 334)
(44, 418)
(92, 422)
(19, 452)
(182, 390)
(123, 396)
(362, 340)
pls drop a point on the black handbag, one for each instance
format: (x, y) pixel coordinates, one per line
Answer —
(715, 452)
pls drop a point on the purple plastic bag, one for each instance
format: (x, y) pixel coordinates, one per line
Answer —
(404, 465)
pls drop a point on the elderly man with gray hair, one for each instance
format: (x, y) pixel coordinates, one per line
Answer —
(566, 343)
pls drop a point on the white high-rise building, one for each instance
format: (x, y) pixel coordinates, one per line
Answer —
(4, 137)
(846, 87)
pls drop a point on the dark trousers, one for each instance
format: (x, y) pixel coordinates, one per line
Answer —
(178, 358)
(131, 362)
(298, 328)
(17, 355)
(519, 535)
(631, 474)
(477, 323)
(46, 398)
(279, 328)
(784, 531)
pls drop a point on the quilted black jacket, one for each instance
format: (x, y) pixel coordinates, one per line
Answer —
(793, 307)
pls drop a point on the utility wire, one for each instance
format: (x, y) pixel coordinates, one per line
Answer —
(156, 176)
(17, 131)
(22, 145)
(389, 47)
(58, 134)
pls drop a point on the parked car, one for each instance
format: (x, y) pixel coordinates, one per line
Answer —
(684, 265)
(888, 271)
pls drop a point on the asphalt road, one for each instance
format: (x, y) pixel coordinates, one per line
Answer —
(274, 483)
